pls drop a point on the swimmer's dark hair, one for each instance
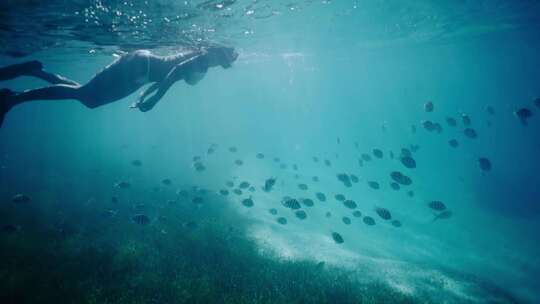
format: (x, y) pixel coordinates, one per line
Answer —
(218, 54)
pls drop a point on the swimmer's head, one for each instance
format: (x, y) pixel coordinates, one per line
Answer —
(220, 55)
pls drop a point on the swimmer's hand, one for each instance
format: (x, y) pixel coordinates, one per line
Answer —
(141, 100)
(136, 104)
(145, 105)
(148, 104)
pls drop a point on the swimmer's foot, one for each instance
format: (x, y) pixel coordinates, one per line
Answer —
(5, 103)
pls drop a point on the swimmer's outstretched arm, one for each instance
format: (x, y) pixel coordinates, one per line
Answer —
(176, 73)
(143, 96)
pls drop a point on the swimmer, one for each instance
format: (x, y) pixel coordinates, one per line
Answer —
(119, 79)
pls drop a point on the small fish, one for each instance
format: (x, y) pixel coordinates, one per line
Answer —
(136, 163)
(365, 157)
(443, 215)
(229, 184)
(354, 178)
(490, 110)
(199, 167)
(345, 179)
(308, 202)
(395, 186)
(243, 185)
(21, 198)
(301, 214)
(453, 143)
(383, 213)
(378, 153)
(400, 178)
(339, 197)
(315, 179)
(114, 199)
(291, 203)
(470, 133)
(350, 204)
(295, 167)
(346, 220)
(408, 162)
(327, 163)
(537, 102)
(259, 155)
(224, 192)
(328, 214)
(197, 200)
(320, 196)
(523, 114)
(484, 163)
(337, 238)
(368, 220)
(410, 193)
(282, 220)
(272, 211)
(357, 213)
(451, 122)
(302, 187)
(141, 219)
(166, 182)
(437, 205)
(238, 162)
(428, 106)
(269, 183)
(248, 202)
(374, 185)
(237, 191)
(428, 125)
(233, 149)
(396, 223)
(405, 153)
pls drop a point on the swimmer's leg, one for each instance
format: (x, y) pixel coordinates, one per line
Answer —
(53, 78)
(20, 69)
(55, 92)
(33, 68)
(5, 94)
(9, 99)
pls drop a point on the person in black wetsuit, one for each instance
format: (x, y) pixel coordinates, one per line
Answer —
(119, 79)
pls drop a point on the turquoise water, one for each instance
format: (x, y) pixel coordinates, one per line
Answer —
(314, 79)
